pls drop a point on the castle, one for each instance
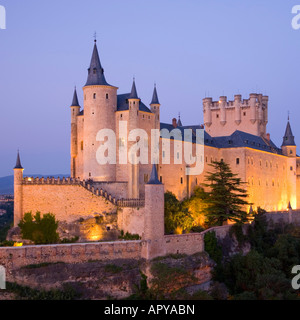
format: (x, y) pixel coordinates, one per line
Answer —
(235, 131)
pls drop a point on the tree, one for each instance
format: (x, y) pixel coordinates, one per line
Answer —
(40, 230)
(177, 218)
(226, 198)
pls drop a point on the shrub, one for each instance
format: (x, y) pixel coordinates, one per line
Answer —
(129, 236)
(40, 230)
(212, 247)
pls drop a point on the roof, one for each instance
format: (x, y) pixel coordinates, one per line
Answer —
(18, 162)
(95, 71)
(75, 102)
(154, 177)
(133, 94)
(236, 140)
(288, 139)
(122, 103)
(154, 97)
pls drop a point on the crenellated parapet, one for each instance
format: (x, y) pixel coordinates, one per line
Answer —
(224, 116)
(88, 185)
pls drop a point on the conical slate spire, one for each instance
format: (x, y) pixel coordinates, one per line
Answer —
(75, 102)
(18, 162)
(133, 94)
(154, 97)
(154, 177)
(95, 71)
(288, 139)
(179, 123)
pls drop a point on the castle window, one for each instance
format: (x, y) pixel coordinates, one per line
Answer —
(273, 183)
(181, 180)
(94, 96)
(291, 151)
(106, 96)
(163, 154)
(291, 168)
(81, 145)
(90, 174)
(177, 155)
(260, 162)
(244, 113)
(217, 115)
(248, 160)
(251, 160)
(160, 178)
(121, 115)
(133, 102)
(266, 164)
(154, 108)
(146, 178)
(237, 160)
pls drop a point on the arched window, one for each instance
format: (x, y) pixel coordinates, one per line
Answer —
(94, 96)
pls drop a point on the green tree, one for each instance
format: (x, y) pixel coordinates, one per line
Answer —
(226, 198)
(177, 217)
(40, 230)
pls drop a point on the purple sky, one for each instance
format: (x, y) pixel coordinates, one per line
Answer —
(186, 47)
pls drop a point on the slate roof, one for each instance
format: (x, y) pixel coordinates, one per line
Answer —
(122, 104)
(95, 71)
(155, 97)
(288, 139)
(75, 102)
(154, 177)
(236, 140)
(18, 162)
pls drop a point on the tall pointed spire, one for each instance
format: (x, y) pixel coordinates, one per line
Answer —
(179, 123)
(95, 71)
(18, 162)
(154, 97)
(154, 176)
(75, 102)
(288, 139)
(133, 94)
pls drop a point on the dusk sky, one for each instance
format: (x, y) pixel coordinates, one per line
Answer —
(189, 48)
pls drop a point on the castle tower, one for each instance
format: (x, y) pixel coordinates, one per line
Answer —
(133, 174)
(155, 108)
(18, 194)
(207, 104)
(154, 218)
(289, 149)
(100, 104)
(75, 109)
(288, 144)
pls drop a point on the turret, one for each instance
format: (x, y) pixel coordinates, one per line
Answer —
(155, 108)
(237, 107)
(100, 104)
(265, 100)
(288, 144)
(223, 101)
(153, 236)
(207, 103)
(252, 102)
(75, 109)
(133, 174)
(18, 179)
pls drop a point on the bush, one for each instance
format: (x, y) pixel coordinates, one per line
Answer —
(129, 236)
(39, 230)
(212, 247)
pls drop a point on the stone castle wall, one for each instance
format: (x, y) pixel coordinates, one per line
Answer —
(67, 202)
(16, 257)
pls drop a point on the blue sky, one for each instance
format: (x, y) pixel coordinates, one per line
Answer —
(188, 47)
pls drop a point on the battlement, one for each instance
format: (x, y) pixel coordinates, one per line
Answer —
(244, 103)
(120, 202)
(223, 117)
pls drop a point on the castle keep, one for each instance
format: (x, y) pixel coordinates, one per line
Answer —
(235, 131)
